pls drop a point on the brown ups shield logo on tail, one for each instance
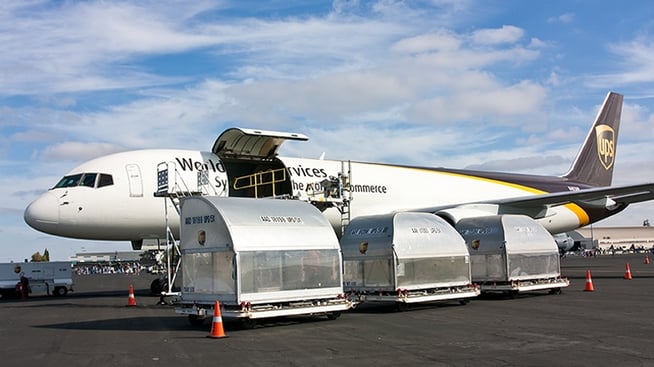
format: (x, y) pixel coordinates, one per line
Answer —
(605, 145)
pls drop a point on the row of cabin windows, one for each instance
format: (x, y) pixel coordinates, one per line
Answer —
(95, 180)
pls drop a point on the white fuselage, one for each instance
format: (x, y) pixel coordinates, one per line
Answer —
(128, 210)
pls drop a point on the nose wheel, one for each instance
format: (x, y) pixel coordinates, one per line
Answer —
(157, 286)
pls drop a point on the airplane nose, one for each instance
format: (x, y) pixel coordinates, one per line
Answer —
(43, 213)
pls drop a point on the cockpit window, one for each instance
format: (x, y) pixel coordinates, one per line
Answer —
(85, 179)
(88, 179)
(69, 181)
(105, 180)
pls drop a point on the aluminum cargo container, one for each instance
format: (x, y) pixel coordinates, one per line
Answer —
(258, 258)
(511, 253)
(405, 258)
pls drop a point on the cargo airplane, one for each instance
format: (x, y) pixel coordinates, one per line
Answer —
(119, 196)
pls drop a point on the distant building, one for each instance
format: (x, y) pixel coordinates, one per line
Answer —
(101, 257)
(618, 237)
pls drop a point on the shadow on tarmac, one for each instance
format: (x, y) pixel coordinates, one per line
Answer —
(151, 323)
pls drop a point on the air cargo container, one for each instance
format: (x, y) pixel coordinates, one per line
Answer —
(512, 254)
(405, 258)
(260, 258)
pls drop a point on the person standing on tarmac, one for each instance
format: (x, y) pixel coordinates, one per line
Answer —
(24, 285)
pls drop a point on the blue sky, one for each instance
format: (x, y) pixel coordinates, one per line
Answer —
(498, 85)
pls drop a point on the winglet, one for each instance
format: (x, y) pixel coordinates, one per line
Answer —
(594, 163)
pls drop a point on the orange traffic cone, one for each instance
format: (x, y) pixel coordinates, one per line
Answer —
(217, 324)
(646, 259)
(627, 273)
(589, 283)
(131, 301)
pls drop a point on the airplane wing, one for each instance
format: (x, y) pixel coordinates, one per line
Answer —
(619, 194)
(614, 197)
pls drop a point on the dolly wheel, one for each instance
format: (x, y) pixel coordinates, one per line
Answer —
(248, 323)
(333, 315)
(196, 320)
(402, 306)
(556, 291)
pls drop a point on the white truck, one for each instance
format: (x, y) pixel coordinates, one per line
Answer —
(51, 278)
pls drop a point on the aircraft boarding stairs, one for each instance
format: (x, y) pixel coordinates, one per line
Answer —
(332, 192)
(171, 185)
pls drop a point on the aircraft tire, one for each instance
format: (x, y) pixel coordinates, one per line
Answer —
(157, 286)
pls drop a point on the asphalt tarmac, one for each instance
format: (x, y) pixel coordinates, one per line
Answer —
(612, 326)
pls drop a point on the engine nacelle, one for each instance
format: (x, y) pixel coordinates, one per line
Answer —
(564, 241)
(454, 215)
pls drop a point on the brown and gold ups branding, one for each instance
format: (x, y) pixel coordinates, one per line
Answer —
(605, 145)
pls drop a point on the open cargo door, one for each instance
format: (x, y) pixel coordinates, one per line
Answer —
(250, 159)
(251, 144)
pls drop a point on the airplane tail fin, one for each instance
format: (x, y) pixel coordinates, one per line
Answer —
(594, 162)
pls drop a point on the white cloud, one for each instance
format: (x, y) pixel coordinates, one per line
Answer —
(522, 164)
(506, 35)
(563, 18)
(637, 66)
(431, 42)
(69, 46)
(554, 79)
(76, 151)
(537, 43)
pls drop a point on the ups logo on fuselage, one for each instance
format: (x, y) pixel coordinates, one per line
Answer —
(605, 145)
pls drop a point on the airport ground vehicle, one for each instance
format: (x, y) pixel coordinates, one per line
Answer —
(51, 278)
